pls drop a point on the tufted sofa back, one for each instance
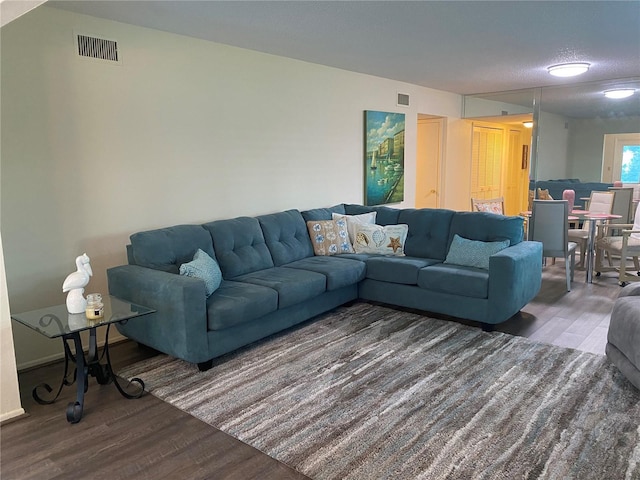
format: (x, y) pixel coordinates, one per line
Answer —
(384, 215)
(286, 236)
(167, 248)
(486, 227)
(428, 232)
(240, 246)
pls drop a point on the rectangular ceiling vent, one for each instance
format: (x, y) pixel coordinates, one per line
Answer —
(100, 48)
(403, 100)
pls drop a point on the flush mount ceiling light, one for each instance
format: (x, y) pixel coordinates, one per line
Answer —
(527, 124)
(619, 92)
(568, 69)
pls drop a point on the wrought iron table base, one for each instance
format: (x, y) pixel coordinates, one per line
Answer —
(84, 368)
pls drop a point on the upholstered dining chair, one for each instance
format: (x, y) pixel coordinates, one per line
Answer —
(570, 196)
(624, 246)
(491, 205)
(622, 204)
(549, 224)
(599, 202)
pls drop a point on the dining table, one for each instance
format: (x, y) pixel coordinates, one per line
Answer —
(594, 219)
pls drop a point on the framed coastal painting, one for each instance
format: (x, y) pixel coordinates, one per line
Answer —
(383, 158)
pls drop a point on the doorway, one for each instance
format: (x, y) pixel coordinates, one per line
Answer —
(500, 163)
(430, 134)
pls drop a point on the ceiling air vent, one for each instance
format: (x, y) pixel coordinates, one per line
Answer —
(99, 48)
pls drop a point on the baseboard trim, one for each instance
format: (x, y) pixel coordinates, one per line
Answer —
(13, 416)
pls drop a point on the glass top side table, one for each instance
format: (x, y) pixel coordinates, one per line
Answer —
(54, 322)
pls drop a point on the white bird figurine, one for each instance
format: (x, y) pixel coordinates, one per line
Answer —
(75, 283)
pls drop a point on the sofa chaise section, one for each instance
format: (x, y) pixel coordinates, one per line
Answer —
(424, 281)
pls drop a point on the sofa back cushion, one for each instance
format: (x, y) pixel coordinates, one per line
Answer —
(286, 236)
(240, 246)
(428, 232)
(322, 213)
(167, 248)
(384, 215)
(486, 227)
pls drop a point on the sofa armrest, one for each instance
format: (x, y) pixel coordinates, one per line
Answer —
(515, 278)
(179, 326)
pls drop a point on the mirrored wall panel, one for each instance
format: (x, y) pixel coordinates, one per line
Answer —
(579, 134)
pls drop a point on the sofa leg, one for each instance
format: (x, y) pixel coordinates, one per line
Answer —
(488, 327)
(204, 366)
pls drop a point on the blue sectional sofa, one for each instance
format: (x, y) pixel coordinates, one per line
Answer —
(582, 189)
(272, 280)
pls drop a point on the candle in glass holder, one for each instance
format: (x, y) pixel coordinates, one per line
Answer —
(95, 307)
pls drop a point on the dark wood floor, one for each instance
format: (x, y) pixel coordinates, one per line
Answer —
(149, 439)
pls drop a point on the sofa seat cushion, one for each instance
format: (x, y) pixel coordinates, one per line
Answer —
(293, 285)
(457, 280)
(340, 272)
(234, 303)
(397, 269)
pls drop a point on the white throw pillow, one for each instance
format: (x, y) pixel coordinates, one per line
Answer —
(354, 220)
(388, 240)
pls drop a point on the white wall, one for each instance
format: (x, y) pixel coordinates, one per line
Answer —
(586, 144)
(184, 131)
(552, 147)
(10, 405)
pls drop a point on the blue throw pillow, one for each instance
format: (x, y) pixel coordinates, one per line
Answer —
(473, 253)
(204, 267)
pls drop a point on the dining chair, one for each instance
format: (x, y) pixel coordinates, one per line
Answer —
(599, 202)
(570, 196)
(624, 246)
(622, 204)
(549, 224)
(491, 205)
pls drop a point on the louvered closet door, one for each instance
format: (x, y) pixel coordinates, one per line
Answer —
(513, 177)
(486, 162)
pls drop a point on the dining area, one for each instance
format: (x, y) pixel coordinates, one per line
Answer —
(605, 233)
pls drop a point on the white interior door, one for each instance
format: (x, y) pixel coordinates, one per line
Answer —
(428, 162)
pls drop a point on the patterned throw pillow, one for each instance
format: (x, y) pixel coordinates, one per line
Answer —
(354, 220)
(329, 237)
(473, 253)
(544, 194)
(489, 207)
(388, 240)
(204, 267)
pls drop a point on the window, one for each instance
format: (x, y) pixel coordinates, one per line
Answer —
(630, 168)
(621, 158)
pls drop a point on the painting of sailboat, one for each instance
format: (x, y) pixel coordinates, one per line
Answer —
(384, 157)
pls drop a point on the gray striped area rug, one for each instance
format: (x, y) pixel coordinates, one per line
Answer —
(368, 392)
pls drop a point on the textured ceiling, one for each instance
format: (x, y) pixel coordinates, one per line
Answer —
(457, 46)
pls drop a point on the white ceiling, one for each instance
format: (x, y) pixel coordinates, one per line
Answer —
(463, 47)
